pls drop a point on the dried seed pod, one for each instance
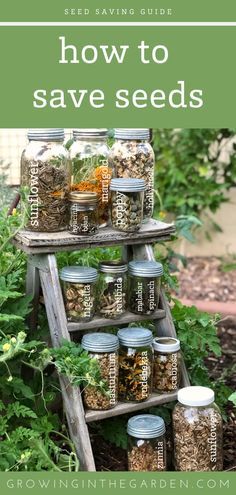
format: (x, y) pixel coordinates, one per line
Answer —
(132, 156)
(166, 364)
(45, 171)
(103, 347)
(146, 443)
(197, 428)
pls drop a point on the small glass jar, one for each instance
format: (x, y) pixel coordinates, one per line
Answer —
(112, 288)
(46, 177)
(127, 204)
(79, 292)
(144, 283)
(146, 443)
(167, 364)
(90, 171)
(104, 348)
(197, 428)
(83, 213)
(132, 156)
(135, 364)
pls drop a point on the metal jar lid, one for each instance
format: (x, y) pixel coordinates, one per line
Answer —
(145, 268)
(135, 336)
(146, 426)
(127, 185)
(136, 134)
(166, 344)
(77, 133)
(78, 274)
(115, 267)
(46, 134)
(196, 396)
(83, 197)
(100, 342)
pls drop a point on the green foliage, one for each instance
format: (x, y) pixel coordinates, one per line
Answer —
(198, 335)
(74, 362)
(88, 257)
(190, 173)
(232, 398)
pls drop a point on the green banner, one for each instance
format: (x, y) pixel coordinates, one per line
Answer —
(122, 10)
(105, 483)
(165, 76)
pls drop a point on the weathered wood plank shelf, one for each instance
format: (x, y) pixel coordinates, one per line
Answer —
(127, 318)
(129, 407)
(39, 242)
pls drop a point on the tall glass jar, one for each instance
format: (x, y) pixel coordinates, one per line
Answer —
(127, 204)
(197, 428)
(146, 443)
(104, 348)
(46, 177)
(79, 292)
(132, 156)
(83, 213)
(90, 170)
(112, 288)
(135, 364)
(167, 364)
(144, 283)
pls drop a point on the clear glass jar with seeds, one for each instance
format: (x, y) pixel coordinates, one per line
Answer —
(79, 291)
(132, 156)
(83, 213)
(46, 178)
(166, 365)
(146, 443)
(90, 170)
(127, 204)
(197, 429)
(104, 348)
(135, 364)
(112, 288)
(144, 283)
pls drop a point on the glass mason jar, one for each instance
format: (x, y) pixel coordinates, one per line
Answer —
(83, 213)
(132, 156)
(197, 428)
(46, 177)
(104, 348)
(79, 292)
(127, 204)
(135, 364)
(146, 443)
(144, 283)
(112, 288)
(90, 171)
(166, 365)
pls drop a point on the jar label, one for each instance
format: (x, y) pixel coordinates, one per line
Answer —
(145, 296)
(160, 456)
(33, 197)
(113, 378)
(145, 374)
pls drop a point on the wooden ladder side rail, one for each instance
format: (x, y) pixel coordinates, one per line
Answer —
(54, 304)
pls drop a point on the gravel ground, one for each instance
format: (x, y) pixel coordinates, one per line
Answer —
(204, 279)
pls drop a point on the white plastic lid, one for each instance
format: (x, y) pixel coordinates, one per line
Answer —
(196, 396)
(166, 344)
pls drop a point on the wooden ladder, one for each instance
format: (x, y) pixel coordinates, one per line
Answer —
(42, 270)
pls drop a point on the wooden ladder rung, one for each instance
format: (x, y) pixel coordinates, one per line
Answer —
(126, 318)
(129, 407)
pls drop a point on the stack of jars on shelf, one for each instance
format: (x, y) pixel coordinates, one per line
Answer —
(112, 290)
(197, 436)
(90, 185)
